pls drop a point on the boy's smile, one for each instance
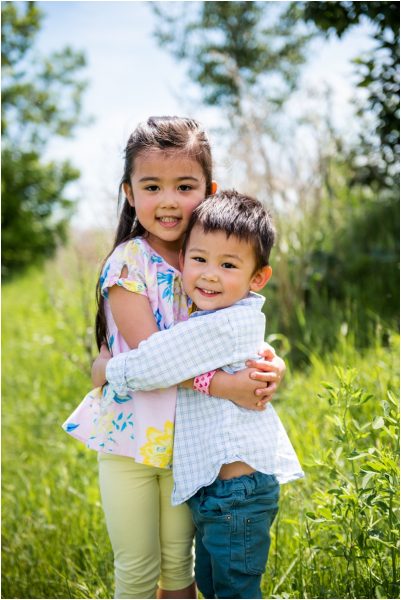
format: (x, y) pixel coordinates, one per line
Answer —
(219, 271)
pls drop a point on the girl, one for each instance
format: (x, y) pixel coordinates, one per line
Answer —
(167, 174)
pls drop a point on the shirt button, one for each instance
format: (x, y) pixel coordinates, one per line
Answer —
(228, 517)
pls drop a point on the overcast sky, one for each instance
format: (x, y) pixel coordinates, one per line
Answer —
(130, 78)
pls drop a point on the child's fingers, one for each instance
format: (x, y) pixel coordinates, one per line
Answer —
(267, 377)
(267, 391)
(262, 365)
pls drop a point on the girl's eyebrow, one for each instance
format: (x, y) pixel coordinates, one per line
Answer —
(178, 178)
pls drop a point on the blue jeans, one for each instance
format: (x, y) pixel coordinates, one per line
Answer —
(233, 519)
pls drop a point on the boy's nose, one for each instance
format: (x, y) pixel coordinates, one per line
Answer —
(209, 276)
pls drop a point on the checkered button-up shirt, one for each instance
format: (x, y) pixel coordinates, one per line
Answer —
(209, 431)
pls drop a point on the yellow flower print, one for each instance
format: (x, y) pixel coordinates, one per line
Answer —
(131, 250)
(132, 286)
(103, 425)
(158, 450)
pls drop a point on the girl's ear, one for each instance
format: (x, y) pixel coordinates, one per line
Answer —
(181, 260)
(214, 187)
(260, 278)
(128, 193)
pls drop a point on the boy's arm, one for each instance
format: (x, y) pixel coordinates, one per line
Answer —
(175, 355)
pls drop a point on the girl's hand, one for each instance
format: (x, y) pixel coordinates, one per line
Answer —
(271, 370)
(99, 366)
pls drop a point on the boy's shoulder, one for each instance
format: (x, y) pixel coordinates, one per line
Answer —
(249, 308)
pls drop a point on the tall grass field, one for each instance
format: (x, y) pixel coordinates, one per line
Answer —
(337, 532)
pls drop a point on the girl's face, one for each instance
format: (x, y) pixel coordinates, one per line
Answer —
(165, 188)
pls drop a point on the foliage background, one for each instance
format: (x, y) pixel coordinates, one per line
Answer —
(332, 310)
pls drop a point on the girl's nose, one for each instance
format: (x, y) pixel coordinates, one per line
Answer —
(168, 200)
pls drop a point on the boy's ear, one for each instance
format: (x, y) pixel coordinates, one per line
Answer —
(260, 278)
(181, 260)
(128, 193)
(213, 187)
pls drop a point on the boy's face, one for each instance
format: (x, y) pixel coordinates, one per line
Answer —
(217, 272)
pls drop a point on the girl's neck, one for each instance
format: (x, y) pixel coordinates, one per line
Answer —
(167, 250)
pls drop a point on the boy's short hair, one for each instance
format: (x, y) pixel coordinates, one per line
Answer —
(236, 214)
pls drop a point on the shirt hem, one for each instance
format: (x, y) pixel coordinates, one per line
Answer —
(281, 481)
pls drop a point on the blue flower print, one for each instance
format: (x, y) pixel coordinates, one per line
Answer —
(120, 399)
(121, 423)
(71, 426)
(158, 318)
(103, 279)
(167, 279)
(156, 259)
(111, 342)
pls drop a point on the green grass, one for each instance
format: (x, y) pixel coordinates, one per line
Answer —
(336, 533)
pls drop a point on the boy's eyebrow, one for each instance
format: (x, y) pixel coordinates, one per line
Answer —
(233, 256)
(236, 256)
(178, 178)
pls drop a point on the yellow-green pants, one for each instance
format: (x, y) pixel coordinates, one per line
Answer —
(151, 540)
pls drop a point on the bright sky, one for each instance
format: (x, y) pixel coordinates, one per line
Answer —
(131, 78)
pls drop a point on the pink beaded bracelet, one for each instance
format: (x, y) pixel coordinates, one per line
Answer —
(202, 382)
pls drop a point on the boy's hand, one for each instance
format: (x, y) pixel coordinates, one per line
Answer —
(239, 388)
(271, 370)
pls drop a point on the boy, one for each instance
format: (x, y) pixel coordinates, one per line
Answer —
(228, 461)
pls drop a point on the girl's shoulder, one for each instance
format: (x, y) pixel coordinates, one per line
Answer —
(131, 252)
(133, 246)
(132, 261)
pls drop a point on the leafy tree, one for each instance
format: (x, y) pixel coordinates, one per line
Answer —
(245, 59)
(233, 49)
(41, 99)
(378, 73)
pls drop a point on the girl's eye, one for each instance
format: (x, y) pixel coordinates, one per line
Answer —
(228, 265)
(185, 187)
(152, 188)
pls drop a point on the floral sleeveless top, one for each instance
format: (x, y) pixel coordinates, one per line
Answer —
(140, 424)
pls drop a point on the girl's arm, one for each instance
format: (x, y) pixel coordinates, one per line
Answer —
(134, 319)
(99, 366)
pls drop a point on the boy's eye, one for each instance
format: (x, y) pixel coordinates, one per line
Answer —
(184, 187)
(228, 265)
(198, 259)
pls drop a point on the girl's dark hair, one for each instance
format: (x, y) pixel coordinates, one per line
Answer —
(241, 216)
(157, 133)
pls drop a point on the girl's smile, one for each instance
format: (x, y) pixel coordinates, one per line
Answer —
(168, 222)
